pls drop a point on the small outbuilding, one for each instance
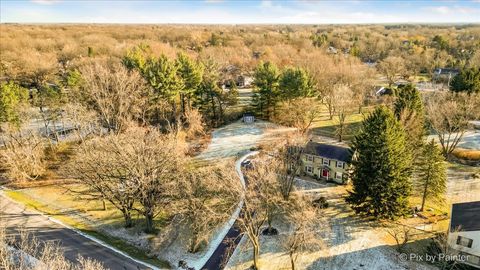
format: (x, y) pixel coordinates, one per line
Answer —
(248, 118)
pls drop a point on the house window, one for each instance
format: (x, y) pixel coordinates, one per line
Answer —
(339, 164)
(309, 158)
(473, 259)
(309, 169)
(463, 241)
(326, 161)
(338, 175)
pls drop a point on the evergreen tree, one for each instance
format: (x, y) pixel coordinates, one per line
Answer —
(163, 75)
(136, 58)
(11, 97)
(209, 93)
(409, 110)
(295, 83)
(432, 175)
(191, 72)
(318, 40)
(266, 81)
(468, 80)
(408, 97)
(382, 167)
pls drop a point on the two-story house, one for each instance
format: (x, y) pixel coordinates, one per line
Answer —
(464, 235)
(326, 161)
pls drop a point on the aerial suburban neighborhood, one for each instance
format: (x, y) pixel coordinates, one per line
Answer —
(261, 135)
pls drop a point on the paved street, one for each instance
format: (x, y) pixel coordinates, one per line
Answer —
(15, 216)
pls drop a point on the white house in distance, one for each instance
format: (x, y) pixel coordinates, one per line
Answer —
(464, 235)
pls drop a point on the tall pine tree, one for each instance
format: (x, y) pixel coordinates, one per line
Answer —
(266, 81)
(191, 72)
(295, 83)
(382, 167)
(409, 110)
(432, 175)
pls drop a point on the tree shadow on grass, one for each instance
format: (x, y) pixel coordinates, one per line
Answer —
(330, 130)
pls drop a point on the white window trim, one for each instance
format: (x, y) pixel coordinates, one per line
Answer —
(340, 164)
(310, 158)
(309, 169)
(338, 174)
(464, 241)
(326, 161)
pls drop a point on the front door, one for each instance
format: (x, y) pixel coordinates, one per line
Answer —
(325, 173)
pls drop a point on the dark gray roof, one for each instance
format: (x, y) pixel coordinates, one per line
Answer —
(465, 216)
(329, 151)
(447, 71)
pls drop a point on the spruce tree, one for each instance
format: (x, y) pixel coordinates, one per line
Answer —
(409, 110)
(432, 175)
(382, 167)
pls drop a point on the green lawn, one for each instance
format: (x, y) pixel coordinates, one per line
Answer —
(324, 126)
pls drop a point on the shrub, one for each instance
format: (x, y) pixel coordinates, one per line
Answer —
(467, 154)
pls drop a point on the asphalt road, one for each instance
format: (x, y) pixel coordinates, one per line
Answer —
(15, 216)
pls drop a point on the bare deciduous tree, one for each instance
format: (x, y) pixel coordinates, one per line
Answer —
(305, 227)
(115, 93)
(391, 67)
(193, 120)
(343, 101)
(289, 163)
(139, 165)
(83, 121)
(402, 235)
(261, 197)
(299, 113)
(448, 115)
(97, 166)
(205, 200)
(23, 156)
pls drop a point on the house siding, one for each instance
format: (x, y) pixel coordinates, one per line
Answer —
(472, 253)
(317, 166)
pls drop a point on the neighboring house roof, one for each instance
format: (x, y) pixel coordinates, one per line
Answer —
(329, 151)
(446, 71)
(465, 216)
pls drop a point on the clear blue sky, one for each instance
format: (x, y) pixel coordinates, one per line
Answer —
(238, 12)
